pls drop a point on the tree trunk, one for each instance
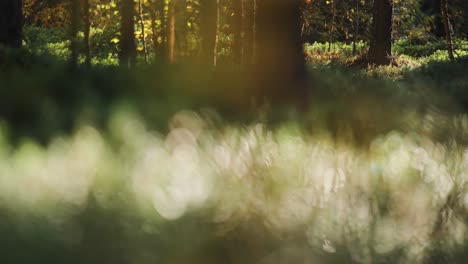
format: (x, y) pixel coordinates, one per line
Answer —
(87, 28)
(74, 25)
(447, 28)
(280, 61)
(465, 18)
(208, 30)
(356, 26)
(142, 26)
(11, 23)
(181, 28)
(127, 41)
(380, 51)
(248, 29)
(171, 32)
(162, 48)
(237, 30)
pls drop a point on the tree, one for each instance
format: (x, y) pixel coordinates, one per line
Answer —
(236, 22)
(248, 30)
(74, 25)
(380, 51)
(180, 28)
(208, 30)
(11, 23)
(127, 56)
(447, 28)
(279, 57)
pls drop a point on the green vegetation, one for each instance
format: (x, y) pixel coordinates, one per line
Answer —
(212, 139)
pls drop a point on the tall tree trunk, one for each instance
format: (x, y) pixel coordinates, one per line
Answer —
(380, 51)
(181, 28)
(280, 61)
(237, 30)
(447, 28)
(142, 26)
(87, 28)
(356, 25)
(162, 48)
(208, 30)
(465, 18)
(74, 25)
(11, 23)
(171, 32)
(248, 29)
(127, 41)
(332, 25)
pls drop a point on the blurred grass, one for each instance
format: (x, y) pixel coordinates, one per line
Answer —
(174, 164)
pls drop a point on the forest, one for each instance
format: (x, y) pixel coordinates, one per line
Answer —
(233, 131)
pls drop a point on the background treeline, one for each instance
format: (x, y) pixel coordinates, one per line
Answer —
(224, 31)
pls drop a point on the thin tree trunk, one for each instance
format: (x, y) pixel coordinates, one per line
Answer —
(127, 41)
(11, 23)
(171, 32)
(237, 29)
(74, 24)
(162, 51)
(181, 28)
(447, 28)
(332, 26)
(87, 28)
(142, 25)
(380, 51)
(356, 27)
(208, 30)
(280, 61)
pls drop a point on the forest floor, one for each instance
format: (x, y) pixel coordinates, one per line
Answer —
(106, 165)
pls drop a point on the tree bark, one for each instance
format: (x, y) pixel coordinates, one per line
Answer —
(127, 41)
(171, 32)
(380, 51)
(74, 25)
(208, 31)
(248, 29)
(356, 25)
(447, 28)
(280, 60)
(181, 28)
(161, 49)
(237, 32)
(11, 23)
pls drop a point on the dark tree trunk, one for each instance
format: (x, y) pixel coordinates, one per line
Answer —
(465, 17)
(380, 51)
(180, 9)
(11, 23)
(74, 25)
(356, 25)
(279, 58)
(127, 41)
(208, 30)
(87, 28)
(161, 49)
(447, 28)
(237, 30)
(248, 29)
